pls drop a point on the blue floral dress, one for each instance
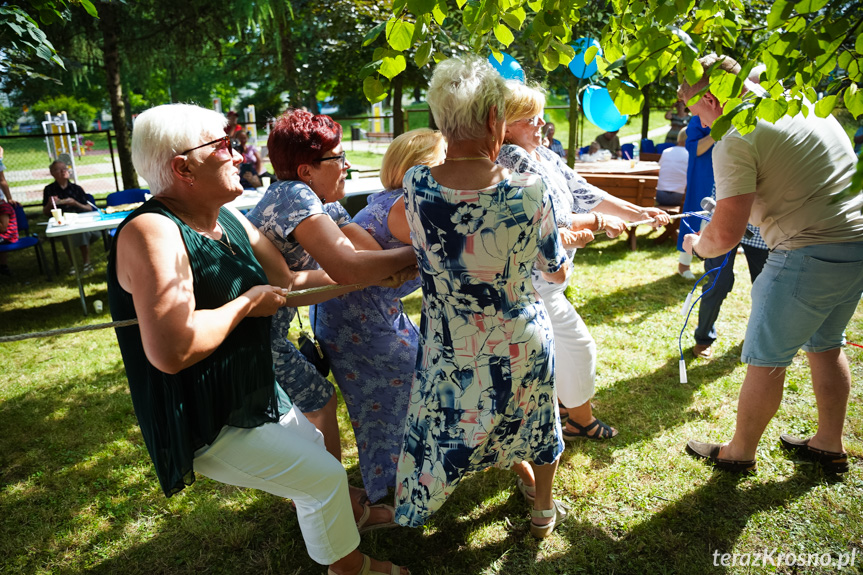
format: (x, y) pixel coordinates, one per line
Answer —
(372, 346)
(284, 206)
(483, 393)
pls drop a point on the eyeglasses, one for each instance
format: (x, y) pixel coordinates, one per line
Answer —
(341, 158)
(223, 143)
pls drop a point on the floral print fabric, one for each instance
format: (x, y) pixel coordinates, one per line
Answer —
(372, 347)
(569, 192)
(284, 206)
(483, 392)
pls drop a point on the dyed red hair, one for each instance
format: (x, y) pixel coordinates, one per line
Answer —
(297, 138)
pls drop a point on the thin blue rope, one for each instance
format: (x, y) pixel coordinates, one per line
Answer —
(718, 271)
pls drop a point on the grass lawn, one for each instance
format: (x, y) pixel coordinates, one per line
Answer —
(78, 492)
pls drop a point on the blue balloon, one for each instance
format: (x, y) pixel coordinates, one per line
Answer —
(509, 68)
(600, 110)
(577, 66)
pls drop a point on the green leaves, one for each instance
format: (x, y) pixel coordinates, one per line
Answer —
(374, 90)
(399, 34)
(393, 64)
(627, 98)
(825, 105)
(504, 35)
(854, 100)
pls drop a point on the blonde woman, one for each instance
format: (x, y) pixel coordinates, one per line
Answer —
(575, 349)
(370, 341)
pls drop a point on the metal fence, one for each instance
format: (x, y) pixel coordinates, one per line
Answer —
(27, 157)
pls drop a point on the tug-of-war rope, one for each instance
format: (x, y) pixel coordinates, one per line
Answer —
(128, 322)
(689, 305)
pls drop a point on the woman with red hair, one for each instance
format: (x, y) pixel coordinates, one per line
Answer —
(301, 215)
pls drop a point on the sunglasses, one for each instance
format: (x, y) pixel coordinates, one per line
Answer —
(223, 143)
(341, 158)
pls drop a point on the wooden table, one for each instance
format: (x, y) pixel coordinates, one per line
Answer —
(620, 167)
(635, 183)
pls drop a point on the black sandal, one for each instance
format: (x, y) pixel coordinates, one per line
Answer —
(587, 431)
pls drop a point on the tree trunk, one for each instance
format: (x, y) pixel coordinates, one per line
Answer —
(108, 27)
(289, 58)
(572, 144)
(645, 113)
(398, 112)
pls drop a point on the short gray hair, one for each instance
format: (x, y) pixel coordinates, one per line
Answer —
(163, 132)
(461, 93)
(726, 63)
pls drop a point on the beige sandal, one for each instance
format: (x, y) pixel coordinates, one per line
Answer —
(367, 512)
(557, 513)
(528, 492)
(367, 569)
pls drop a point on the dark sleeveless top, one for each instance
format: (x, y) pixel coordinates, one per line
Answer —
(235, 385)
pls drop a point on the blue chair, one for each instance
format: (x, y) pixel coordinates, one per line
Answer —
(647, 146)
(25, 240)
(130, 196)
(627, 151)
(664, 146)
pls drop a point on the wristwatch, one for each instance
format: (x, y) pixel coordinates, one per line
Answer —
(696, 254)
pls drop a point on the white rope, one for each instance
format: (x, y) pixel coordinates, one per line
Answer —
(128, 322)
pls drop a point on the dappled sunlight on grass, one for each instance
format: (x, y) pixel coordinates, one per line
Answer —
(78, 491)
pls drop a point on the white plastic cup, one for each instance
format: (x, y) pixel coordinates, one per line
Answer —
(97, 306)
(265, 182)
(57, 214)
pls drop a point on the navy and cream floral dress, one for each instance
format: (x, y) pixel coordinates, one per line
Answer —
(372, 346)
(483, 392)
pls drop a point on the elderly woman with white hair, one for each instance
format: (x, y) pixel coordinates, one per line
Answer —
(483, 392)
(202, 283)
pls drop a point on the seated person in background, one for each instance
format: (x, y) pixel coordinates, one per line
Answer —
(673, 163)
(608, 141)
(552, 144)
(678, 118)
(4, 185)
(252, 166)
(232, 127)
(8, 232)
(69, 197)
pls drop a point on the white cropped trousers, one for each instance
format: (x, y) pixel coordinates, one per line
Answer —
(574, 347)
(288, 459)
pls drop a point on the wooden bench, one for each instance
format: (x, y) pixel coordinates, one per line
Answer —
(379, 137)
(639, 190)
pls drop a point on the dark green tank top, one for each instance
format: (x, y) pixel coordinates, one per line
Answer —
(235, 385)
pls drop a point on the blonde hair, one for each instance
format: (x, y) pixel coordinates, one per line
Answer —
(462, 92)
(686, 91)
(681, 137)
(523, 102)
(414, 148)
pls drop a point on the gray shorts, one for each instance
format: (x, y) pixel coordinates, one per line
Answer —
(85, 239)
(803, 298)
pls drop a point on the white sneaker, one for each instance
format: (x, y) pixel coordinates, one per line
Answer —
(71, 271)
(88, 269)
(686, 274)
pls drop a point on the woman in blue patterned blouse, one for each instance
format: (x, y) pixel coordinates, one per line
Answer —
(370, 340)
(301, 215)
